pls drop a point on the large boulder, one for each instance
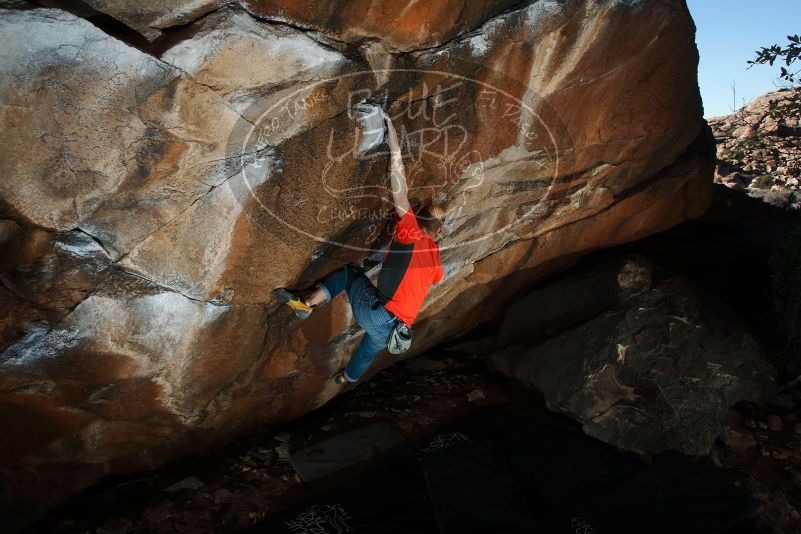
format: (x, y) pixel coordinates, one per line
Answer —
(659, 371)
(150, 204)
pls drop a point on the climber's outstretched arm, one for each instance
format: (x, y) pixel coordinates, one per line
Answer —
(397, 177)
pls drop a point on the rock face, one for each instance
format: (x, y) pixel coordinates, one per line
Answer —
(149, 17)
(759, 154)
(658, 371)
(153, 197)
(571, 300)
(405, 25)
(100, 136)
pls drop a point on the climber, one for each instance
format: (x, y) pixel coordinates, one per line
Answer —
(411, 265)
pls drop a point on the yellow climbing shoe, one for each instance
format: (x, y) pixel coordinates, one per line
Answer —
(298, 306)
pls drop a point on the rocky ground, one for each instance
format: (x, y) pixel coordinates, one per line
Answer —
(251, 478)
(759, 154)
(762, 448)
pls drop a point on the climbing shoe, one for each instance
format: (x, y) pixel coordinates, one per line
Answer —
(298, 306)
(340, 379)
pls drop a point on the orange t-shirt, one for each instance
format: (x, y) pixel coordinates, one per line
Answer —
(412, 264)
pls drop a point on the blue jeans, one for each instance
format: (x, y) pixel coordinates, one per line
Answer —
(369, 311)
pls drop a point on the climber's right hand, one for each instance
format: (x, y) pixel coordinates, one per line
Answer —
(392, 135)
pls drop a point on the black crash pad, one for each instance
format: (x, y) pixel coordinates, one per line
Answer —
(346, 450)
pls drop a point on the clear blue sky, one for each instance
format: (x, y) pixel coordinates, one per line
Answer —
(728, 33)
